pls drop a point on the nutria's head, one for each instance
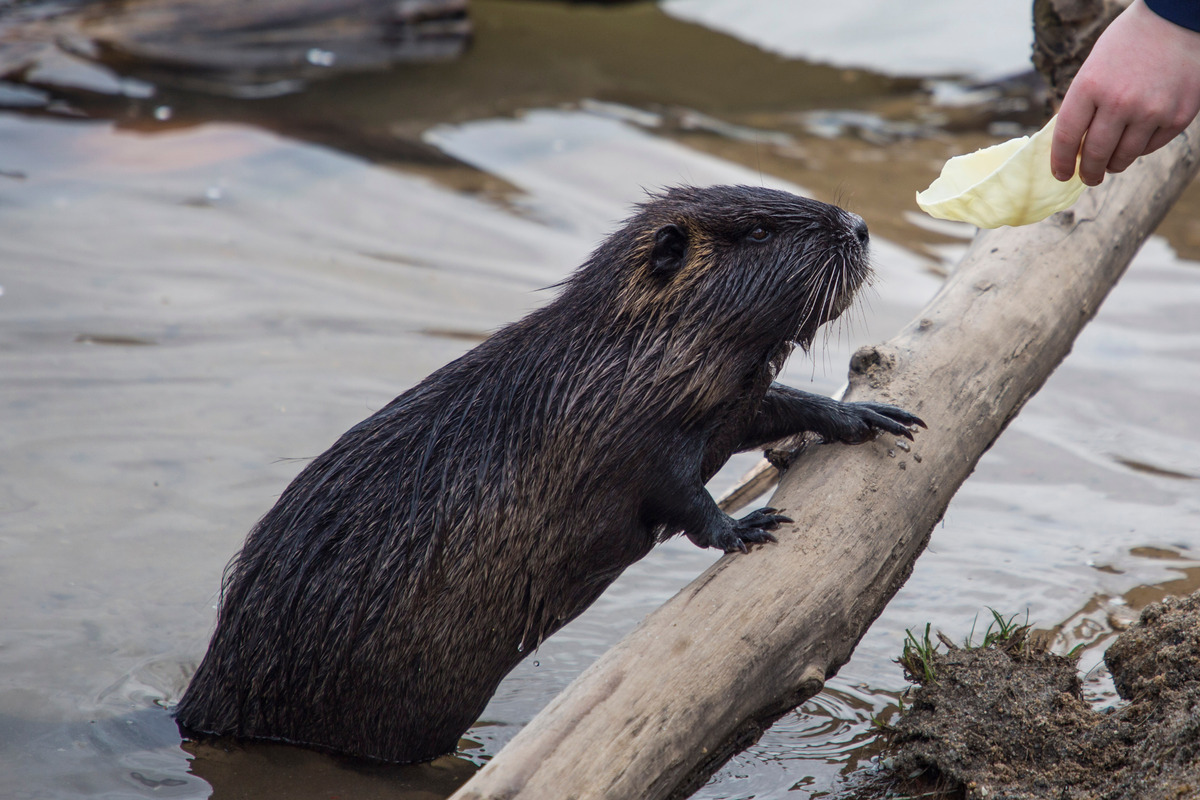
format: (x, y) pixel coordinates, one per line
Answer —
(703, 287)
(749, 264)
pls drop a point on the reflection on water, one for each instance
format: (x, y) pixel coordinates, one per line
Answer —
(833, 727)
(929, 38)
(193, 306)
(237, 772)
(553, 155)
(810, 749)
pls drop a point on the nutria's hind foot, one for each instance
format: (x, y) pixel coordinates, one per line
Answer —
(869, 418)
(751, 529)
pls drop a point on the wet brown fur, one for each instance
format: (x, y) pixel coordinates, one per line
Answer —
(405, 571)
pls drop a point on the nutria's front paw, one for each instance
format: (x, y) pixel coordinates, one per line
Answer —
(750, 529)
(869, 418)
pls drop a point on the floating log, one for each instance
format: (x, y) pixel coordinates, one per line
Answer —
(245, 48)
(758, 634)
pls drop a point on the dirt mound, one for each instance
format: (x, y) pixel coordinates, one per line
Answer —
(1010, 722)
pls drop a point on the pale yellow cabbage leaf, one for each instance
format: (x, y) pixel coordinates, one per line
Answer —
(1006, 184)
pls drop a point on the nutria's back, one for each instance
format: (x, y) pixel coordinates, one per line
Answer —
(407, 569)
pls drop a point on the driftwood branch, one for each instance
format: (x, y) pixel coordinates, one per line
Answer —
(757, 634)
(235, 47)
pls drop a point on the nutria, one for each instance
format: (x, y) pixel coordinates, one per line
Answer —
(405, 571)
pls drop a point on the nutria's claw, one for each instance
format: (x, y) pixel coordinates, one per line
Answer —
(900, 415)
(883, 417)
(752, 529)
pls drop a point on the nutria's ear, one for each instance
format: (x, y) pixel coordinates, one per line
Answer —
(669, 252)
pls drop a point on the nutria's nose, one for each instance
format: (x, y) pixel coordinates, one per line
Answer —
(859, 226)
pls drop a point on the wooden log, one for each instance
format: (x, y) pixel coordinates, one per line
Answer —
(271, 40)
(757, 634)
(237, 47)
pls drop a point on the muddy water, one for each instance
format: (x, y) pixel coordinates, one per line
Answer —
(200, 293)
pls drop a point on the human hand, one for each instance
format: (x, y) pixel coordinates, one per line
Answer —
(1136, 91)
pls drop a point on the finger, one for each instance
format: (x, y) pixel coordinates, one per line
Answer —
(1159, 138)
(903, 417)
(877, 420)
(1098, 146)
(896, 413)
(1132, 145)
(1073, 121)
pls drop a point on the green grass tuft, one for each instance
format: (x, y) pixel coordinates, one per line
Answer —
(917, 658)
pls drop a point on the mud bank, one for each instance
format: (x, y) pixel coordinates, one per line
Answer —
(1011, 723)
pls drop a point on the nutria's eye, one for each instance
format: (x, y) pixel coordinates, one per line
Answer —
(760, 234)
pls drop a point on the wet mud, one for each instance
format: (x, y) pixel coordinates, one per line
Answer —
(1011, 721)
